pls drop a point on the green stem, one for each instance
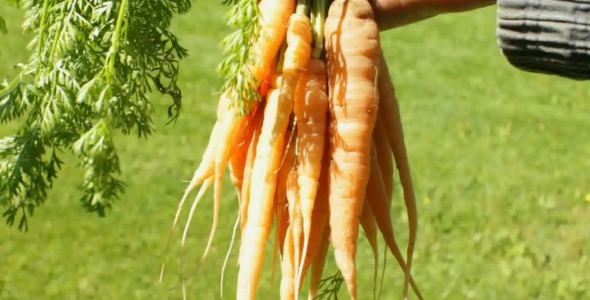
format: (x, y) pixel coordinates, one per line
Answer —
(61, 31)
(42, 31)
(318, 19)
(115, 40)
(11, 86)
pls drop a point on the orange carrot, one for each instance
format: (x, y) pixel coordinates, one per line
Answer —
(353, 60)
(311, 104)
(273, 17)
(282, 209)
(296, 57)
(204, 171)
(393, 124)
(246, 186)
(207, 166)
(237, 161)
(384, 155)
(295, 220)
(233, 126)
(317, 266)
(249, 162)
(229, 249)
(261, 203)
(245, 192)
(268, 156)
(379, 203)
(319, 218)
(273, 20)
(288, 268)
(370, 228)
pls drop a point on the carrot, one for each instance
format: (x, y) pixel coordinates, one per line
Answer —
(392, 122)
(261, 203)
(311, 103)
(317, 266)
(370, 228)
(199, 196)
(204, 171)
(229, 249)
(268, 155)
(207, 166)
(246, 161)
(295, 221)
(246, 187)
(319, 217)
(288, 268)
(296, 57)
(353, 60)
(245, 191)
(385, 161)
(229, 124)
(315, 241)
(282, 210)
(206, 184)
(281, 207)
(233, 125)
(274, 17)
(237, 161)
(249, 164)
(383, 155)
(379, 203)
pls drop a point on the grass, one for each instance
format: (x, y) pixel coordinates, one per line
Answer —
(500, 159)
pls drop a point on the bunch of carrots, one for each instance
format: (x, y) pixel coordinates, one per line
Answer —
(315, 154)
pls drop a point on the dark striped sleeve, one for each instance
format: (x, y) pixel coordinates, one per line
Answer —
(547, 36)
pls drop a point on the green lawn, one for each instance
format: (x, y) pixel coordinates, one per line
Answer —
(500, 158)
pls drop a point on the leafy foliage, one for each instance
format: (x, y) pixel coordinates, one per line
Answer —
(330, 286)
(93, 65)
(238, 80)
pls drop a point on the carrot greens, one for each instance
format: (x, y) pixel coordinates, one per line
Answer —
(92, 67)
(238, 78)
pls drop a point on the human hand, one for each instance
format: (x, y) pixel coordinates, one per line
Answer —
(395, 13)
